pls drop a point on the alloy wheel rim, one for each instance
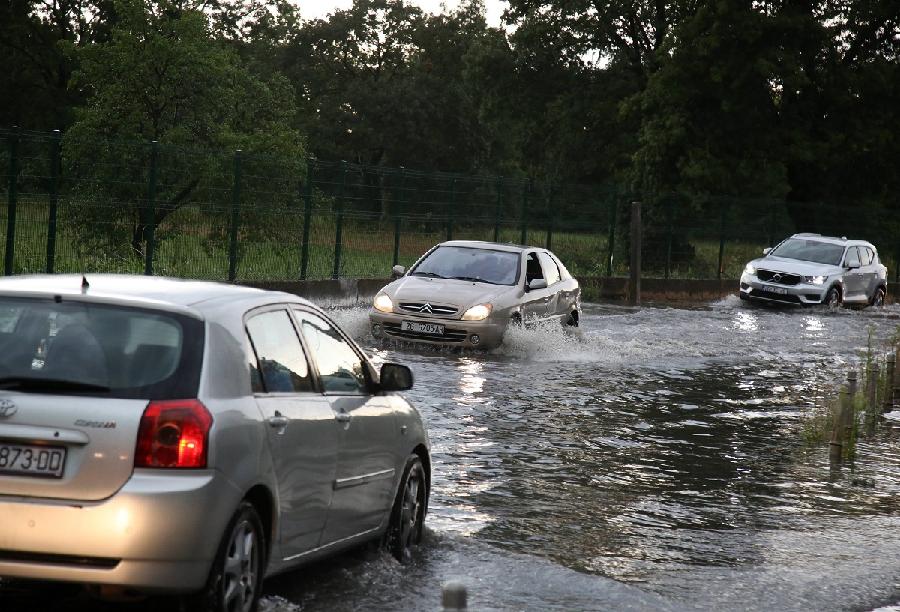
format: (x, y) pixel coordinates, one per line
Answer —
(409, 515)
(241, 567)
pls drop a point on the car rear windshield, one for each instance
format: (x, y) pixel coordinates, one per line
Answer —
(471, 264)
(96, 349)
(810, 250)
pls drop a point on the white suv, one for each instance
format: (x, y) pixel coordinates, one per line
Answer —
(813, 269)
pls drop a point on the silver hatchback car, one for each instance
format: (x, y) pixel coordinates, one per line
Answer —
(193, 437)
(808, 269)
(465, 293)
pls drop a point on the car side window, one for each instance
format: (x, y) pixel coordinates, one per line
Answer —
(866, 255)
(551, 270)
(533, 268)
(852, 257)
(341, 369)
(280, 363)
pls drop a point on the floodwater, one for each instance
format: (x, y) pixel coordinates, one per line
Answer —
(652, 461)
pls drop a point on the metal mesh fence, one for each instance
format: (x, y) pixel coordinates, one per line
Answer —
(89, 204)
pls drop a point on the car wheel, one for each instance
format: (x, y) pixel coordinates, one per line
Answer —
(572, 321)
(235, 579)
(878, 297)
(515, 320)
(408, 514)
(833, 298)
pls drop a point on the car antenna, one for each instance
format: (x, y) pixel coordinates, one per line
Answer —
(85, 285)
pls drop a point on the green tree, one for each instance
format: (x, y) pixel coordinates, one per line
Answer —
(162, 77)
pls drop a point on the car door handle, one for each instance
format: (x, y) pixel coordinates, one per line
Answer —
(277, 421)
(342, 417)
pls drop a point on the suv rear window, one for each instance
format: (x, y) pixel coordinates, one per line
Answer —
(98, 349)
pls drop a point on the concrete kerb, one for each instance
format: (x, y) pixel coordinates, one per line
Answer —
(351, 292)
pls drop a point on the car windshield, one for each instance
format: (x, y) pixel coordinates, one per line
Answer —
(471, 264)
(113, 351)
(810, 250)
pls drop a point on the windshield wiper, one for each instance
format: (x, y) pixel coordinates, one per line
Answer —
(28, 383)
(474, 279)
(429, 274)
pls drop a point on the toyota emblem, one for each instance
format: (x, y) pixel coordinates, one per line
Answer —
(7, 408)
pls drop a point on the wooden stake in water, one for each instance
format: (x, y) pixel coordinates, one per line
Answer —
(838, 427)
(888, 404)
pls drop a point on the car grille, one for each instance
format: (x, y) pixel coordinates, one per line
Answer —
(779, 278)
(427, 308)
(774, 297)
(450, 335)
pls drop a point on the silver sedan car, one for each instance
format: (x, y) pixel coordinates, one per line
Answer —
(465, 293)
(192, 437)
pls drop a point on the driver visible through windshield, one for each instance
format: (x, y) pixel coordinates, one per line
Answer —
(470, 264)
(810, 250)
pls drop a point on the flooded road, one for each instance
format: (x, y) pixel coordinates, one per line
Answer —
(653, 461)
(660, 449)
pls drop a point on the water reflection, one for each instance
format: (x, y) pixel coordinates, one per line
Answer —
(746, 321)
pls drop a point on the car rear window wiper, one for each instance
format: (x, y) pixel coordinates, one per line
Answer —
(430, 274)
(29, 383)
(475, 279)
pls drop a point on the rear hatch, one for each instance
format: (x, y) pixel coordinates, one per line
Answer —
(75, 378)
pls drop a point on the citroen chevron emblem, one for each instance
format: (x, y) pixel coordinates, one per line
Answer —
(7, 408)
(426, 307)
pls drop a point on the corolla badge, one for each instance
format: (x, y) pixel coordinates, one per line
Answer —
(7, 408)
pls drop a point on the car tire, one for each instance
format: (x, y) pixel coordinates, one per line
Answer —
(572, 321)
(407, 524)
(515, 320)
(833, 298)
(878, 297)
(236, 576)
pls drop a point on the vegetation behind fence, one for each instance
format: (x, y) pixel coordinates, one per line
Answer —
(111, 206)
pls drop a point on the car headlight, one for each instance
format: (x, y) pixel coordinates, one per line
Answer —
(815, 280)
(750, 269)
(477, 313)
(383, 303)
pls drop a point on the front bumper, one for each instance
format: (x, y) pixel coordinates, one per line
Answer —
(160, 532)
(802, 294)
(485, 334)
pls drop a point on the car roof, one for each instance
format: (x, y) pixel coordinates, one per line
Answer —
(151, 291)
(834, 240)
(484, 244)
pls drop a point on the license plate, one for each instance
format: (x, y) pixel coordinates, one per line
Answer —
(778, 290)
(434, 329)
(32, 460)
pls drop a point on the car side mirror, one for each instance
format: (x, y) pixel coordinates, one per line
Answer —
(537, 283)
(396, 377)
(767, 250)
(397, 271)
(851, 266)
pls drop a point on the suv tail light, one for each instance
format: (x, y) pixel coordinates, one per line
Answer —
(173, 434)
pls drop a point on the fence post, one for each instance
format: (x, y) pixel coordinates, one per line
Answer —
(721, 240)
(150, 210)
(836, 445)
(400, 200)
(339, 224)
(498, 209)
(634, 266)
(524, 214)
(452, 209)
(55, 168)
(611, 241)
(671, 215)
(454, 596)
(11, 202)
(891, 366)
(235, 218)
(307, 218)
(552, 217)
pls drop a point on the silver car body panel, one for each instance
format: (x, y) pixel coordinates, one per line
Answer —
(159, 529)
(555, 303)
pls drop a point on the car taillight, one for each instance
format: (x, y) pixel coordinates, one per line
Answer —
(173, 434)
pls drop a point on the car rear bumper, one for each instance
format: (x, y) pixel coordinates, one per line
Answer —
(803, 294)
(160, 532)
(469, 334)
